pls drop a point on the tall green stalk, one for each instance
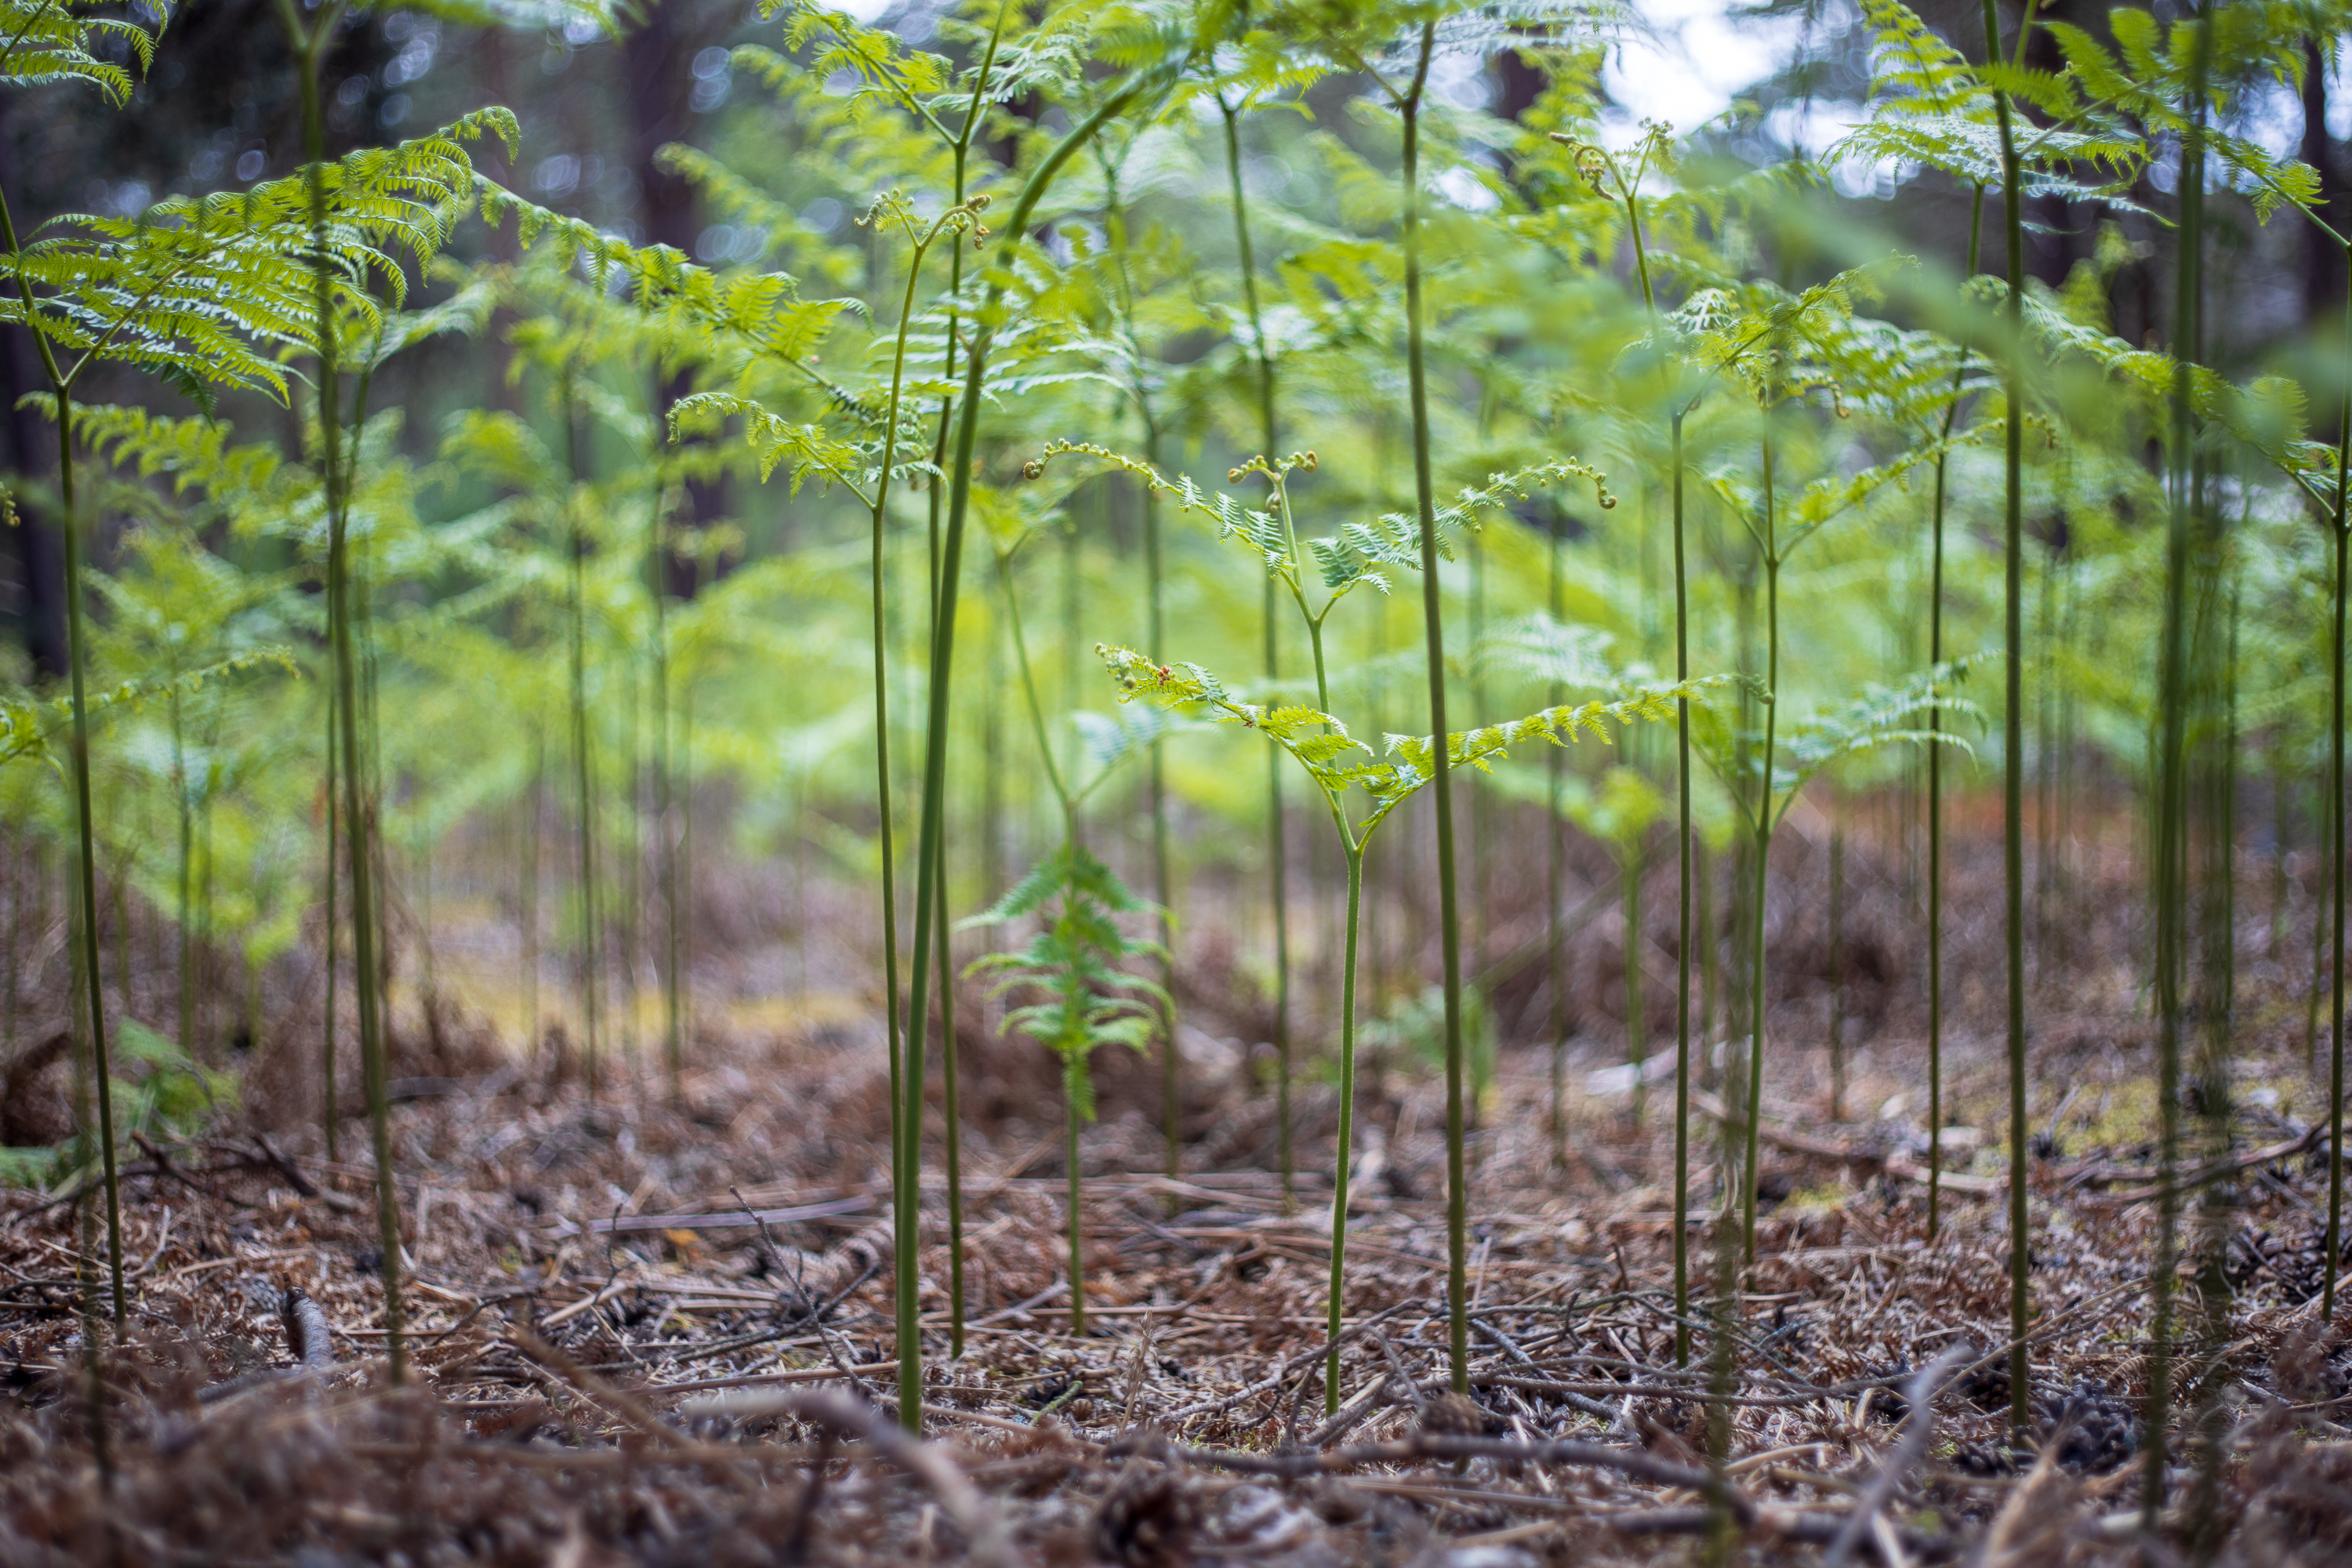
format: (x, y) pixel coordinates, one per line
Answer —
(1682, 929)
(943, 663)
(2343, 540)
(2332, 922)
(1769, 549)
(1172, 1062)
(1276, 856)
(2337, 522)
(1458, 1275)
(309, 46)
(1837, 964)
(85, 832)
(1555, 875)
(331, 1112)
(1075, 1092)
(2172, 761)
(1936, 778)
(2014, 736)
(533, 830)
(582, 750)
(664, 848)
(950, 1089)
(1679, 408)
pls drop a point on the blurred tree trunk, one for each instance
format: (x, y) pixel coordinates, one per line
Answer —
(658, 63)
(2059, 232)
(28, 453)
(2323, 267)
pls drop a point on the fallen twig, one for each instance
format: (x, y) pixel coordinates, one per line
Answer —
(308, 1338)
(1634, 1462)
(1918, 1426)
(928, 1462)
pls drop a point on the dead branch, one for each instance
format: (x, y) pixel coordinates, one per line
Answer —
(310, 1340)
(927, 1462)
(1919, 1427)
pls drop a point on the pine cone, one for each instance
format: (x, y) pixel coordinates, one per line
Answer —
(1147, 1519)
(1453, 1415)
(2104, 1433)
(1890, 1405)
(1987, 1386)
(2298, 1261)
(1996, 1457)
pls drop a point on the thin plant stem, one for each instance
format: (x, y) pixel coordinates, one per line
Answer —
(942, 662)
(2013, 737)
(1768, 543)
(950, 1113)
(85, 832)
(1073, 1067)
(665, 847)
(86, 866)
(1448, 910)
(1277, 858)
(1336, 1300)
(309, 46)
(1683, 930)
(1935, 780)
(1837, 968)
(1555, 874)
(2342, 529)
(878, 587)
(582, 750)
(1171, 1087)
(332, 1113)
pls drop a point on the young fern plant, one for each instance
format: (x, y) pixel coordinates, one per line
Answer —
(1619, 179)
(1932, 105)
(1278, 856)
(1318, 741)
(929, 891)
(1076, 957)
(203, 293)
(1783, 350)
(1089, 1001)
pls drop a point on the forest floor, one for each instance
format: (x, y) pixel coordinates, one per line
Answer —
(612, 1362)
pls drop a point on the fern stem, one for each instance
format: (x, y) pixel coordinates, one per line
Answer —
(2336, 836)
(1631, 191)
(1171, 1089)
(951, 1114)
(1277, 858)
(951, 1103)
(1761, 869)
(1935, 781)
(1555, 869)
(1681, 914)
(332, 1113)
(309, 46)
(1076, 1093)
(943, 663)
(951, 1107)
(878, 587)
(582, 750)
(665, 846)
(1336, 1300)
(2014, 739)
(1448, 909)
(86, 870)
(1837, 964)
